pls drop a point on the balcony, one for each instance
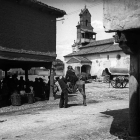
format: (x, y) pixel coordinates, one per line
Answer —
(83, 40)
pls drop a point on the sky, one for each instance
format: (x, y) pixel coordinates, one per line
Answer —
(66, 29)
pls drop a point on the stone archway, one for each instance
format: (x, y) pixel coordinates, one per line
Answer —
(86, 69)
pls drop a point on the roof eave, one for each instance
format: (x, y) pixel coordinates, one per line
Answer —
(43, 7)
(74, 55)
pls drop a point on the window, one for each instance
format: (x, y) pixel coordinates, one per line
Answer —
(118, 56)
(107, 57)
(86, 22)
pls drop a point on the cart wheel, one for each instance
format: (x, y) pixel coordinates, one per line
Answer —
(125, 82)
(116, 82)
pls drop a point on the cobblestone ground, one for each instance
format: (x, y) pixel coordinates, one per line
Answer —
(98, 94)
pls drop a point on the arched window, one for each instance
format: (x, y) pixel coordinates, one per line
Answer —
(86, 22)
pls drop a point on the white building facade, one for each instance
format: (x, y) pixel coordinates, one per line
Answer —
(93, 56)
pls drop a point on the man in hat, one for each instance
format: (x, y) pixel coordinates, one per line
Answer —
(71, 76)
(62, 86)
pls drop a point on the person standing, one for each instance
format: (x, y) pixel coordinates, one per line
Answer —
(21, 84)
(62, 87)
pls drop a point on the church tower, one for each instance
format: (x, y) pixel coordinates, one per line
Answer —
(85, 32)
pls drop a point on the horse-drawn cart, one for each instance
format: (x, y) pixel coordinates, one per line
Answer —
(117, 77)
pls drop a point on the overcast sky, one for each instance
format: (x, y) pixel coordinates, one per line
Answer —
(66, 29)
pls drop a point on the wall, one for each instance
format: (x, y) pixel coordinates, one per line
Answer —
(24, 27)
(101, 62)
(122, 18)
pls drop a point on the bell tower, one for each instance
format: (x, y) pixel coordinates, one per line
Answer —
(84, 29)
(85, 32)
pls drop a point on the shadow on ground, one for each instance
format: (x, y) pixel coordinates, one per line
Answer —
(119, 126)
(70, 105)
(69, 96)
(93, 101)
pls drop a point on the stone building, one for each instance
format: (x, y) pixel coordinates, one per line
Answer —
(123, 17)
(93, 56)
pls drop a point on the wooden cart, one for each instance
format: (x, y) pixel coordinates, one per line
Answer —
(117, 77)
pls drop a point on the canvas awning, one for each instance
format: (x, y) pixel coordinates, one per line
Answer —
(117, 71)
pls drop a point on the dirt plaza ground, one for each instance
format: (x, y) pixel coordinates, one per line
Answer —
(104, 118)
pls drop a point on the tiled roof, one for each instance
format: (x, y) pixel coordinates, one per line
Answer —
(79, 59)
(43, 6)
(96, 49)
(99, 42)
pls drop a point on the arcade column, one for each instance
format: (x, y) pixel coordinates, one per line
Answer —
(52, 71)
(26, 72)
(129, 41)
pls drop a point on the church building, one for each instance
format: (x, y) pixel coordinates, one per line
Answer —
(92, 56)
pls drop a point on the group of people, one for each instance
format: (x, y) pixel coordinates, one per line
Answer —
(41, 89)
(63, 83)
(10, 85)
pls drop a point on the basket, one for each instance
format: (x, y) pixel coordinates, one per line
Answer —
(15, 99)
(30, 98)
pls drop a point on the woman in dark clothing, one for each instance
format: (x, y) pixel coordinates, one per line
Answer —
(36, 88)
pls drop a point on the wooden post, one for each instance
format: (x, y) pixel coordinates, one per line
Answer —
(51, 82)
(26, 75)
(5, 73)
